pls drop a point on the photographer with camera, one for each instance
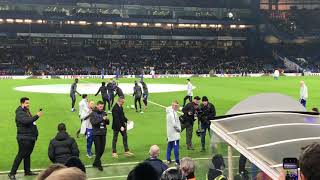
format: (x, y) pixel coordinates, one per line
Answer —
(188, 118)
(206, 113)
(99, 121)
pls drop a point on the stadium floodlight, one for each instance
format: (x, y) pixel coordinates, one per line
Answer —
(119, 23)
(169, 25)
(39, 21)
(232, 26)
(72, 22)
(158, 24)
(213, 25)
(219, 26)
(242, 26)
(203, 25)
(28, 21)
(109, 23)
(83, 22)
(126, 24)
(145, 24)
(10, 20)
(99, 23)
(133, 24)
(19, 21)
(1, 20)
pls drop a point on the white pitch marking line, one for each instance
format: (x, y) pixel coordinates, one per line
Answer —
(273, 125)
(162, 106)
(283, 142)
(113, 164)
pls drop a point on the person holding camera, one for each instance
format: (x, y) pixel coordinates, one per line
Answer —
(188, 118)
(207, 113)
(99, 121)
(27, 134)
(119, 125)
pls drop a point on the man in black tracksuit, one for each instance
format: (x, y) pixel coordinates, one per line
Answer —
(187, 120)
(119, 125)
(145, 94)
(119, 92)
(99, 121)
(62, 147)
(207, 113)
(104, 94)
(137, 93)
(27, 134)
(110, 89)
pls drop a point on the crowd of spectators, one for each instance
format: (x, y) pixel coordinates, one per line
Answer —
(306, 55)
(120, 30)
(131, 61)
(309, 164)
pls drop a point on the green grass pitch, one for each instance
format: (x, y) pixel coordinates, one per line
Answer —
(150, 127)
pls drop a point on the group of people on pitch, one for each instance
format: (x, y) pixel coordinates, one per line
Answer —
(62, 146)
(192, 111)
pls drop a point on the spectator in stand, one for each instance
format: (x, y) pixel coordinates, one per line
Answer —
(67, 174)
(172, 173)
(75, 162)
(62, 147)
(217, 170)
(53, 167)
(143, 171)
(309, 163)
(188, 167)
(154, 160)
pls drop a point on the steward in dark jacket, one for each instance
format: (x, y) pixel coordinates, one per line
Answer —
(62, 147)
(99, 121)
(26, 128)
(27, 134)
(158, 165)
(99, 125)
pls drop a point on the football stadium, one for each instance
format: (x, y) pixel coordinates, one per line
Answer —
(160, 89)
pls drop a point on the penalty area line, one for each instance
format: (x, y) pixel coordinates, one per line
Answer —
(154, 103)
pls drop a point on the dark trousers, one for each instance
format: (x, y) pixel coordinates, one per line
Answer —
(303, 102)
(204, 127)
(115, 140)
(137, 100)
(110, 101)
(105, 101)
(189, 132)
(99, 144)
(73, 100)
(145, 99)
(24, 153)
(242, 163)
(185, 100)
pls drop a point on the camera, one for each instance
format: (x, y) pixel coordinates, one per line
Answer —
(199, 132)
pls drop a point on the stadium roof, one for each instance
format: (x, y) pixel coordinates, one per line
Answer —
(267, 128)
